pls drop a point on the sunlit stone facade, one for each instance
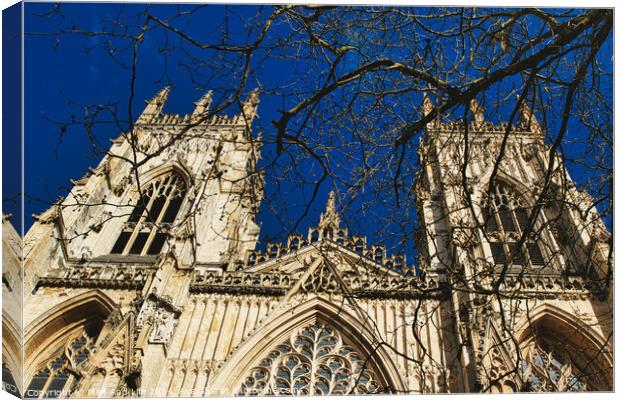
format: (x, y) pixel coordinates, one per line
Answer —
(146, 282)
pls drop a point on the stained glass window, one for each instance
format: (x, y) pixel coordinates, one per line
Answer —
(314, 360)
(55, 378)
(548, 367)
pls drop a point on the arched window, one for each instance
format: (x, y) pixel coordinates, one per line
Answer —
(505, 221)
(57, 377)
(553, 364)
(562, 356)
(548, 367)
(145, 231)
(313, 360)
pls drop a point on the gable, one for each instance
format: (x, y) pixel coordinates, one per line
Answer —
(329, 268)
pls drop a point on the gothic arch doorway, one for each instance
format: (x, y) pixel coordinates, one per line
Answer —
(317, 336)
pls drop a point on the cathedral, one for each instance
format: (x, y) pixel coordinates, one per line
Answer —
(146, 281)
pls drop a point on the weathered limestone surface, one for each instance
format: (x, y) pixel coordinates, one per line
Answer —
(208, 315)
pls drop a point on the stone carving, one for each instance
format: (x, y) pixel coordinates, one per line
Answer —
(164, 323)
(122, 185)
(270, 284)
(108, 276)
(184, 230)
(322, 279)
(115, 358)
(162, 314)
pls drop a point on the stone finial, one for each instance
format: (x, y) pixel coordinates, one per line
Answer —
(161, 96)
(250, 106)
(154, 106)
(330, 218)
(203, 104)
(477, 111)
(427, 105)
(527, 117)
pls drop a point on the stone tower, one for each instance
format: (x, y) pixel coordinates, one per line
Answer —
(175, 195)
(527, 270)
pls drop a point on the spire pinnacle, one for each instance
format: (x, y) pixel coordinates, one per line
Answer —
(477, 111)
(527, 117)
(161, 97)
(427, 105)
(203, 104)
(154, 106)
(330, 218)
(250, 106)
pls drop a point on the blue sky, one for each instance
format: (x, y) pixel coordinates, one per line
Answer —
(62, 74)
(11, 123)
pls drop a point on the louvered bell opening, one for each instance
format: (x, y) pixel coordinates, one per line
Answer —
(139, 243)
(517, 255)
(172, 210)
(522, 218)
(139, 209)
(506, 218)
(158, 204)
(490, 223)
(536, 256)
(55, 388)
(121, 242)
(157, 243)
(37, 383)
(499, 255)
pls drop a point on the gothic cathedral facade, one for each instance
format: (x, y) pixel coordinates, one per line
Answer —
(145, 280)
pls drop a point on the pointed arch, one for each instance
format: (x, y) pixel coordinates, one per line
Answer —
(501, 177)
(171, 167)
(575, 343)
(50, 331)
(315, 310)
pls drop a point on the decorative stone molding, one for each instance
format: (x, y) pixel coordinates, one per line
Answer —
(48, 216)
(122, 185)
(551, 286)
(277, 284)
(96, 277)
(267, 284)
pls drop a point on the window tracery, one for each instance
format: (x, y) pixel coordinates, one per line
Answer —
(313, 361)
(506, 221)
(549, 367)
(58, 377)
(144, 233)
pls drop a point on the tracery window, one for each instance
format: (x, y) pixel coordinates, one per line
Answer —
(58, 377)
(549, 367)
(145, 231)
(506, 220)
(313, 361)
